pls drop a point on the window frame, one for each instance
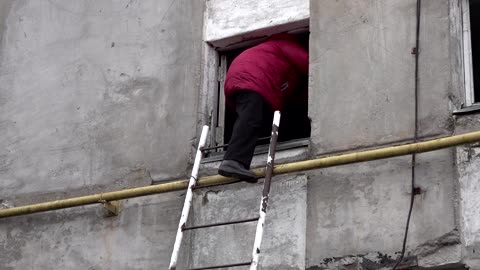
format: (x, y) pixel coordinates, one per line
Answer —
(467, 55)
(215, 69)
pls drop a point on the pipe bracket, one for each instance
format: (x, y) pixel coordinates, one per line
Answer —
(112, 208)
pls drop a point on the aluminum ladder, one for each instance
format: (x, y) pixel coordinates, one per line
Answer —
(182, 227)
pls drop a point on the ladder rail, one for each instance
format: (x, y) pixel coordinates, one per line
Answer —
(266, 192)
(263, 202)
(188, 199)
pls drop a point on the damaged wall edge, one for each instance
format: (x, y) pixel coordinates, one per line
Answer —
(440, 253)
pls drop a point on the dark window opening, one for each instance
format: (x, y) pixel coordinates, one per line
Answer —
(475, 36)
(294, 121)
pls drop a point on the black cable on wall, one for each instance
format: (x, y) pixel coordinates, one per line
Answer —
(416, 52)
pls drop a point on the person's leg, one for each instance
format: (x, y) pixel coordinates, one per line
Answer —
(250, 108)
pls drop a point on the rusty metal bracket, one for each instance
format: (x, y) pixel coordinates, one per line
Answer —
(112, 208)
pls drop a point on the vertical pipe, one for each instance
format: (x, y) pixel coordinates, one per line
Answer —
(266, 191)
(188, 199)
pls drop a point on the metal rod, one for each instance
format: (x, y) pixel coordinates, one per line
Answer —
(266, 191)
(188, 200)
(225, 145)
(324, 162)
(222, 266)
(220, 224)
(216, 185)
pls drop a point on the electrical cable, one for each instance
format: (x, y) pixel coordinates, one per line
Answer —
(415, 136)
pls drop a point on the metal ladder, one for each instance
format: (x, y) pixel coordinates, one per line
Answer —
(262, 212)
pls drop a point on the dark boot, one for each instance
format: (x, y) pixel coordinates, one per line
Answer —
(232, 168)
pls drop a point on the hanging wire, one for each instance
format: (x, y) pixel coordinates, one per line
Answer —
(416, 51)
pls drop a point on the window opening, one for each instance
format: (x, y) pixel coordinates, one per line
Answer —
(294, 124)
(471, 60)
(474, 6)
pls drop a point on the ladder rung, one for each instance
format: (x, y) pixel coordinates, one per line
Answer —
(220, 224)
(216, 185)
(225, 145)
(221, 266)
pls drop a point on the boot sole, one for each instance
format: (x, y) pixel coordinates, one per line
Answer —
(226, 173)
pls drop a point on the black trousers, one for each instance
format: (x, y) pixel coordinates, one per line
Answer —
(253, 112)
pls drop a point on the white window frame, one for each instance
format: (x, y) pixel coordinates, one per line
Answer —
(467, 54)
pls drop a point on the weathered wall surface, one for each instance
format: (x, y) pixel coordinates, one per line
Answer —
(96, 93)
(361, 209)
(362, 72)
(93, 93)
(94, 96)
(468, 172)
(140, 238)
(283, 245)
(225, 19)
(362, 77)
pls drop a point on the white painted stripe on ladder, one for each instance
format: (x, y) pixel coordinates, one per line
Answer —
(188, 199)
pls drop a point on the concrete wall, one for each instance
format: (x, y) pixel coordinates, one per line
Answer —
(361, 209)
(82, 238)
(362, 96)
(469, 202)
(105, 94)
(284, 240)
(361, 61)
(95, 94)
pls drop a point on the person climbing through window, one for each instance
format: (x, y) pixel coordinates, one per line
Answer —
(262, 79)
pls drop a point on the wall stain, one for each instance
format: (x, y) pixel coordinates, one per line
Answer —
(371, 261)
(205, 199)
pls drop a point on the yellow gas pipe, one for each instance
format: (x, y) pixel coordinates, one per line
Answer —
(318, 163)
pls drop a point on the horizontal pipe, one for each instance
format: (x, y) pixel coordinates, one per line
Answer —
(387, 152)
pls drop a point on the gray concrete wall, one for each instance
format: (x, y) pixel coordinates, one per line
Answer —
(362, 72)
(284, 240)
(361, 209)
(97, 96)
(468, 169)
(96, 93)
(362, 78)
(82, 238)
